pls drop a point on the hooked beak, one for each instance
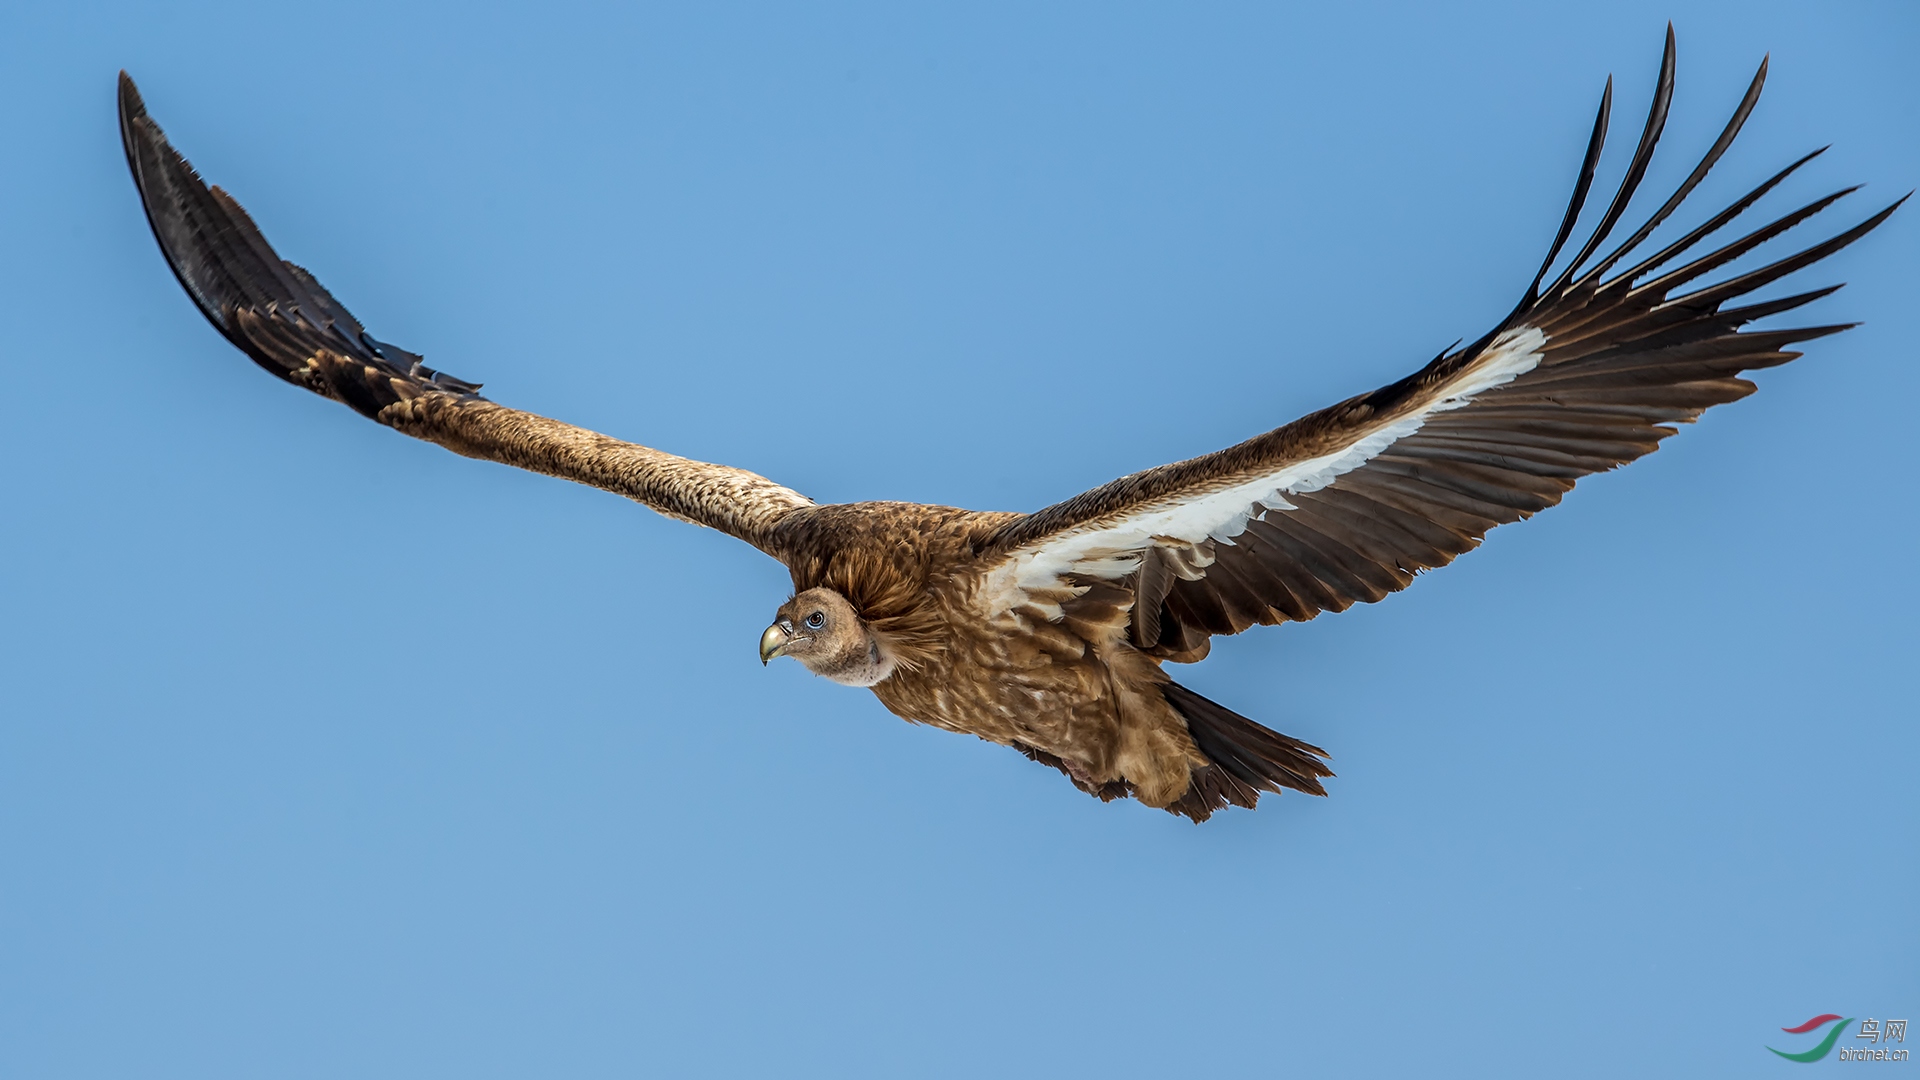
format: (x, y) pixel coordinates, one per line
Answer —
(772, 642)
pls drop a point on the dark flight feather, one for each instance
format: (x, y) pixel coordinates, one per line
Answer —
(1642, 157)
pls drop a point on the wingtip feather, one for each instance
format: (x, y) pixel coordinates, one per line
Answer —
(1636, 169)
(131, 104)
(1595, 143)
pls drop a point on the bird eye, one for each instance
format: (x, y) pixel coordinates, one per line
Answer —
(816, 620)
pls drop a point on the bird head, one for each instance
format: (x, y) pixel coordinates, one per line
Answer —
(821, 629)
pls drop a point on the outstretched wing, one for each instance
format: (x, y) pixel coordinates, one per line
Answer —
(1349, 503)
(283, 319)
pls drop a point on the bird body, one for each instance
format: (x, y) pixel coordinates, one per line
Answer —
(1068, 691)
(1048, 632)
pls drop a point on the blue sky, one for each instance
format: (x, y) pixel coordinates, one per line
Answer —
(327, 753)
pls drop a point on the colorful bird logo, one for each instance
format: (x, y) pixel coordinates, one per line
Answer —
(1826, 1044)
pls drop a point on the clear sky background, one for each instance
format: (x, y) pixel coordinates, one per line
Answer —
(328, 753)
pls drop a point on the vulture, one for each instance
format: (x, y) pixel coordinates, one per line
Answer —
(1048, 632)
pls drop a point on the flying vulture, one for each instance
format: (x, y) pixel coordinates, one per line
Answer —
(1047, 632)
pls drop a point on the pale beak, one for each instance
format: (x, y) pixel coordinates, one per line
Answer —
(771, 642)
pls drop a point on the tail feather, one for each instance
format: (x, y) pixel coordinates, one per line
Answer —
(1247, 758)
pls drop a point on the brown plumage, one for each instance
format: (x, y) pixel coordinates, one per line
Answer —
(1047, 632)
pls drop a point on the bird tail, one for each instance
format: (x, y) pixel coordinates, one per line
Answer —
(1247, 758)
